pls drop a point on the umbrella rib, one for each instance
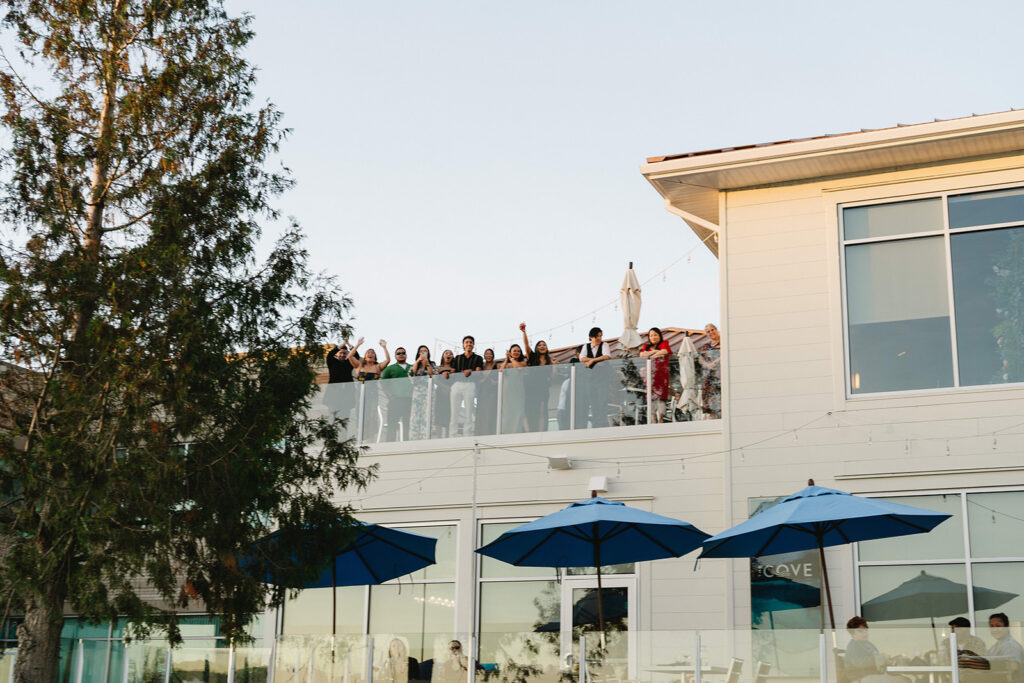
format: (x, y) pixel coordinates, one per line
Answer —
(910, 524)
(655, 541)
(536, 546)
(366, 564)
(369, 538)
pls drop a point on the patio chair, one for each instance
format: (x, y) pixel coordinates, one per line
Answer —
(761, 672)
(732, 674)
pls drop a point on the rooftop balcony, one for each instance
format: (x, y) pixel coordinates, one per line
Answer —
(551, 398)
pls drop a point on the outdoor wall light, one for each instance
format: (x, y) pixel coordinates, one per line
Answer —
(559, 462)
(598, 484)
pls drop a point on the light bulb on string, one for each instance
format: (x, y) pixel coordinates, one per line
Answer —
(618, 469)
(947, 447)
(906, 447)
(995, 443)
(682, 466)
(689, 259)
(664, 277)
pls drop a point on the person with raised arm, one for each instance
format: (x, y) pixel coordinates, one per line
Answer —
(538, 383)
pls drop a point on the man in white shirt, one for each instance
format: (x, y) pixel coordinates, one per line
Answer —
(1005, 648)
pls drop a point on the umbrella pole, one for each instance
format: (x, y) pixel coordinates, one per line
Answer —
(600, 598)
(828, 592)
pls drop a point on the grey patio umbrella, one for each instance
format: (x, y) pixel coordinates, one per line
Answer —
(927, 595)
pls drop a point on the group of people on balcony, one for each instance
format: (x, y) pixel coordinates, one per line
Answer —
(466, 403)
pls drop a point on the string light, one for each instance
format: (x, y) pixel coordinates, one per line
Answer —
(906, 447)
(995, 443)
(613, 303)
(947, 447)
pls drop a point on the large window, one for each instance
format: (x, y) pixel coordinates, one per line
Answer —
(935, 292)
(418, 609)
(980, 550)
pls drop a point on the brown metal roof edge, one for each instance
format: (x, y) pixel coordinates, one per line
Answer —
(686, 155)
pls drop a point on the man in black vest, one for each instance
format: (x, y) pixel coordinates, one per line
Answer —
(594, 382)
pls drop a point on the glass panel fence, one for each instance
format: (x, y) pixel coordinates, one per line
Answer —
(551, 654)
(7, 665)
(396, 410)
(340, 400)
(612, 393)
(535, 399)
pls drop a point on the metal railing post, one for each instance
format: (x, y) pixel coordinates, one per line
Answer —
(583, 659)
(369, 660)
(272, 664)
(359, 412)
(232, 655)
(471, 663)
(823, 657)
(501, 384)
(696, 658)
(572, 395)
(650, 392)
(430, 407)
(79, 662)
(124, 667)
(954, 662)
(167, 665)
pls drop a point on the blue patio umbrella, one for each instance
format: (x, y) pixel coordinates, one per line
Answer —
(593, 533)
(376, 554)
(818, 517)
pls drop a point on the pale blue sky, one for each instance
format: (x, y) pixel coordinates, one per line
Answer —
(463, 166)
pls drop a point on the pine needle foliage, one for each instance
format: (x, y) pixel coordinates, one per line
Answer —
(156, 375)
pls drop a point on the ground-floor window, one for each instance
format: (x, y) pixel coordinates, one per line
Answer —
(100, 652)
(979, 552)
(531, 618)
(417, 610)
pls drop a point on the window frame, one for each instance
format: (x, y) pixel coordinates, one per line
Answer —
(279, 620)
(967, 560)
(945, 233)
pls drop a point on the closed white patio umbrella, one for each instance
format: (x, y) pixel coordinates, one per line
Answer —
(688, 399)
(629, 299)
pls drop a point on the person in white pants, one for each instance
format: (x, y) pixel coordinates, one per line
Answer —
(464, 389)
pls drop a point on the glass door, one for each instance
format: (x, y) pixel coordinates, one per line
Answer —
(608, 652)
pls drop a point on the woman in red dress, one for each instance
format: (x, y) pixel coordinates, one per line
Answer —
(657, 349)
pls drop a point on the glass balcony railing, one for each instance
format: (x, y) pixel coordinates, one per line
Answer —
(551, 654)
(621, 392)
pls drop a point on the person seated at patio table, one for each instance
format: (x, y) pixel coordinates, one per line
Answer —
(1005, 649)
(453, 670)
(863, 661)
(967, 646)
(399, 667)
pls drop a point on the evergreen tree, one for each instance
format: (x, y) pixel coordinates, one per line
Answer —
(135, 318)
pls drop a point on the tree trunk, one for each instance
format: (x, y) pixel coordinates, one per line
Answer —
(38, 659)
